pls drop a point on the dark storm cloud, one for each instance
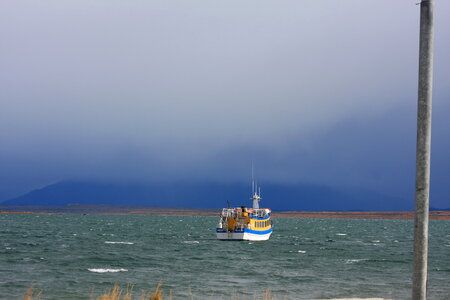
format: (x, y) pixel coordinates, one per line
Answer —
(163, 90)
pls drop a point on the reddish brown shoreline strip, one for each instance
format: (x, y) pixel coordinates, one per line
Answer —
(394, 215)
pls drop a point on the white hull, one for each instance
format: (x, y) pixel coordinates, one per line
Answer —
(242, 236)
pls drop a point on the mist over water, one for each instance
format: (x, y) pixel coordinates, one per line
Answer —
(164, 91)
(72, 256)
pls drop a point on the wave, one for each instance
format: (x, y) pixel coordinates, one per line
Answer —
(122, 243)
(107, 270)
(301, 251)
(352, 261)
(341, 234)
(191, 242)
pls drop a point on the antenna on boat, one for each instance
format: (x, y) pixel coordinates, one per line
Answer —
(255, 197)
(253, 180)
(253, 187)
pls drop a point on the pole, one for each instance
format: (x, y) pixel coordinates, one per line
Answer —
(419, 288)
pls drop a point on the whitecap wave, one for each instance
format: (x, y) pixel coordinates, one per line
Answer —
(341, 234)
(191, 242)
(108, 270)
(354, 260)
(301, 251)
(122, 243)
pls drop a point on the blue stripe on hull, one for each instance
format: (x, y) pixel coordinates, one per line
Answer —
(258, 232)
(247, 230)
(242, 236)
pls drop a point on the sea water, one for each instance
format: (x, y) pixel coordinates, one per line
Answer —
(74, 256)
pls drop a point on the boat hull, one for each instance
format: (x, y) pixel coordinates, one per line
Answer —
(246, 235)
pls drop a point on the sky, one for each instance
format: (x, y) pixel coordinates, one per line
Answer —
(321, 92)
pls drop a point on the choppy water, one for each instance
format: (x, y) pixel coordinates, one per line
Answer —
(70, 256)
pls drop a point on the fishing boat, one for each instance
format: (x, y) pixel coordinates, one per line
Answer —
(245, 224)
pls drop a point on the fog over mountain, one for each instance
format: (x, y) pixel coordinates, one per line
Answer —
(317, 93)
(208, 195)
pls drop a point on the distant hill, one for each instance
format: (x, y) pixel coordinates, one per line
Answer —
(438, 209)
(194, 195)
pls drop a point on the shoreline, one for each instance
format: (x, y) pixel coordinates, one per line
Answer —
(443, 215)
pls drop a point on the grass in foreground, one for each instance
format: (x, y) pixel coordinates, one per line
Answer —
(29, 294)
(119, 293)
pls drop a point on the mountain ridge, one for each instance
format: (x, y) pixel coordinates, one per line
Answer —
(197, 195)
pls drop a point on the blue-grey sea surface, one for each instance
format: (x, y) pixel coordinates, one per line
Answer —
(75, 256)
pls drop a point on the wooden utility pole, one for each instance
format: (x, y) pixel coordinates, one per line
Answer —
(419, 289)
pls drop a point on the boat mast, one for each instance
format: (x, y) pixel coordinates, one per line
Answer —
(256, 198)
(255, 195)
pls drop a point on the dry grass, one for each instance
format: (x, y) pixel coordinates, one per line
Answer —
(29, 294)
(119, 293)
